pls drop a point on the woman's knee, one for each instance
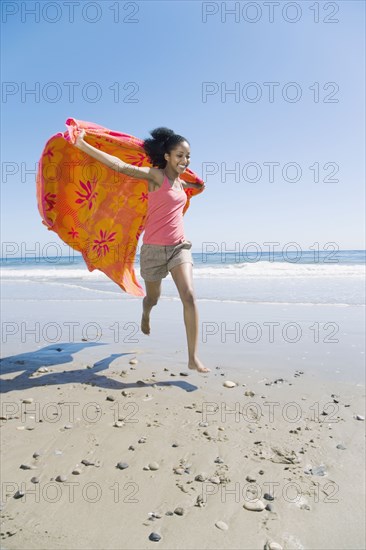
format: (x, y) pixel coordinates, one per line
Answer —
(153, 290)
(187, 296)
(151, 300)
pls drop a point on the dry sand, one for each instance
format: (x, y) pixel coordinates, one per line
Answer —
(282, 430)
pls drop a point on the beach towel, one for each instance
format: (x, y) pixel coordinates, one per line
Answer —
(94, 209)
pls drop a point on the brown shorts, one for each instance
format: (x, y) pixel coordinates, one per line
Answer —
(157, 260)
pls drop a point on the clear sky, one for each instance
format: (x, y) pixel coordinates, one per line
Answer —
(181, 57)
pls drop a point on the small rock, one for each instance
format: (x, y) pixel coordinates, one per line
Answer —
(318, 471)
(87, 462)
(203, 424)
(28, 400)
(222, 525)
(201, 477)
(118, 424)
(229, 384)
(179, 471)
(267, 496)
(35, 479)
(153, 466)
(359, 417)
(155, 537)
(269, 507)
(122, 465)
(61, 478)
(341, 446)
(133, 362)
(219, 460)
(77, 471)
(68, 426)
(169, 513)
(179, 511)
(154, 515)
(19, 494)
(142, 440)
(175, 445)
(249, 393)
(131, 448)
(184, 373)
(272, 546)
(215, 480)
(255, 506)
(27, 467)
(250, 479)
(110, 398)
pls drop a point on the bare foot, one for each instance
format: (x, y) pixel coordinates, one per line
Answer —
(195, 364)
(145, 324)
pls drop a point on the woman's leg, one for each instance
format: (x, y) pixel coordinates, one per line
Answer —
(153, 290)
(182, 276)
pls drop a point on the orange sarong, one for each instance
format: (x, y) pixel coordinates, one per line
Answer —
(94, 209)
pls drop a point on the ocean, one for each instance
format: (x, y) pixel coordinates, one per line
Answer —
(334, 278)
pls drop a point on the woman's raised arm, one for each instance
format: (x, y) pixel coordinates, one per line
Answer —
(115, 163)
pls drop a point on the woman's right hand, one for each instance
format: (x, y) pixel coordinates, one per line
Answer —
(80, 138)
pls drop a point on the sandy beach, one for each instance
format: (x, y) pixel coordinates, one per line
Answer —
(108, 441)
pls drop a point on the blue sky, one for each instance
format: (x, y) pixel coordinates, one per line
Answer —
(170, 51)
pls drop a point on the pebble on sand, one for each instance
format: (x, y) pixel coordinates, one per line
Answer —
(179, 511)
(110, 398)
(359, 417)
(229, 384)
(272, 546)
(222, 525)
(155, 537)
(257, 506)
(28, 400)
(77, 471)
(35, 479)
(153, 466)
(61, 478)
(133, 362)
(215, 480)
(249, 393)
(87, 462)
(122, 465)
(201, 477)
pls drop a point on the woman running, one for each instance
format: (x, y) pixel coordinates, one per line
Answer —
(164, 247)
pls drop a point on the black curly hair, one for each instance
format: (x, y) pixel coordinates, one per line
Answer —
(163, 141)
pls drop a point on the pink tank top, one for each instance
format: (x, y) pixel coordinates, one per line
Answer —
(164, 221)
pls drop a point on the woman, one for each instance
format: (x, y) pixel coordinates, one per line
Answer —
(164, 245)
